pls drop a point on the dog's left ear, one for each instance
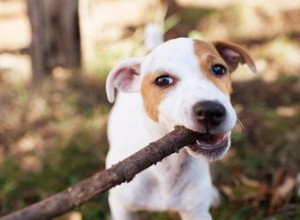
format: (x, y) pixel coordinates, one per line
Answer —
(124, 76)
(234, 55)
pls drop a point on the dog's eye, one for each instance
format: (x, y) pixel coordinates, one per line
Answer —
(163, 80)
(219, 69)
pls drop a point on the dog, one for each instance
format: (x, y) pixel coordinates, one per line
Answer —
(183, 82)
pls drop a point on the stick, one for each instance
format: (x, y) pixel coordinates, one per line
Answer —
(90, 187)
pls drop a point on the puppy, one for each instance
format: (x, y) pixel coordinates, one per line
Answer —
(181, 82)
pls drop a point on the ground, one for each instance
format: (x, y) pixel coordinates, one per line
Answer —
(53, 133)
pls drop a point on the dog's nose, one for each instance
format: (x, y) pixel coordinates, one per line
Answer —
(209, 113)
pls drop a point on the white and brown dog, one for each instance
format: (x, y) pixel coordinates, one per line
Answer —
(182, 82)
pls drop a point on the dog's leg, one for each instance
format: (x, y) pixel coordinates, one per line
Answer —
(199, 212)
(216, 200)
(198, 215)
(119, 211)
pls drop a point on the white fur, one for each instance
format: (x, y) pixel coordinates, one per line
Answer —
(182, 181)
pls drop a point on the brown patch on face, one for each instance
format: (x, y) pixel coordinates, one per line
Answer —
(152, 94)
(208, 56)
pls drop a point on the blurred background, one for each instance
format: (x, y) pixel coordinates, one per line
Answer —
(54, 58)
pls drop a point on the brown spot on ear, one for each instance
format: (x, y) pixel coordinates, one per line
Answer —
(152, 95)
(208, 56)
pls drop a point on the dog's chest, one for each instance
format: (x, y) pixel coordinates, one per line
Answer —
(173, 171)
(174, 180)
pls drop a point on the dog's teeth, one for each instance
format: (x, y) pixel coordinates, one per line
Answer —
(220, 138)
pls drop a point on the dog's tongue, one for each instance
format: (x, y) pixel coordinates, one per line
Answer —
(210, 140)
(218, 138)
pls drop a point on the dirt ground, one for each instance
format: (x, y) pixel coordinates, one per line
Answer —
(53, 134)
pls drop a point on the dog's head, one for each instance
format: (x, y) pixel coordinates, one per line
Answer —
(186, 82)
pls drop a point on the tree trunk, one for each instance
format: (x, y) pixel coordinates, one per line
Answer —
(55, 35)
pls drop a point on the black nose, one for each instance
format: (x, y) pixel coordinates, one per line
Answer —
(209, 113)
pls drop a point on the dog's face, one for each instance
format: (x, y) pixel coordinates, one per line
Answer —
(186, 82)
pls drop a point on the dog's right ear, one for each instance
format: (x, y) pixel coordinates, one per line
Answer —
(124, 76)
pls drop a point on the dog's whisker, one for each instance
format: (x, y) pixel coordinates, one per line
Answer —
(238, 127)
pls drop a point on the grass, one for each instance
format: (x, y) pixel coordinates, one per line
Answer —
(62, 167)
(68, 144)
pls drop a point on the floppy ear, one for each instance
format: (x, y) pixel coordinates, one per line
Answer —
(125, 77)
(234, 55)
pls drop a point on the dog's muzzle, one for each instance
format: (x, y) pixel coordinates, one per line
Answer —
(212, 142)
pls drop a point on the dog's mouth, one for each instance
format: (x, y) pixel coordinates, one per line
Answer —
(211, 146)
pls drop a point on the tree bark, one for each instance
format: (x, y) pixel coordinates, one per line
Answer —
(38, 46)
(124, 171)
(55, 35)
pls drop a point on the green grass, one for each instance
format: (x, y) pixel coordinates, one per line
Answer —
(62, 167)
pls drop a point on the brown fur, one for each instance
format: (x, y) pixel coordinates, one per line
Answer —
(152, 94)
(208, 55)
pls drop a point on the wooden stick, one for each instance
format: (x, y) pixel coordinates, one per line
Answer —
(90, 187)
